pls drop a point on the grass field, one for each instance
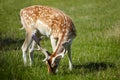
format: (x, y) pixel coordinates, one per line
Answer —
(95, 51)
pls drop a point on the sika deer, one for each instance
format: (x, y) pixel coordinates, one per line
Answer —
(53, 23)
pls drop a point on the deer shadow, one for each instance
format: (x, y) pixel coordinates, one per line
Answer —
(6, 43)
(88, 68)
(9, 43)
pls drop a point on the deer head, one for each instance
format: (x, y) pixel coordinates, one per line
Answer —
(52, 60)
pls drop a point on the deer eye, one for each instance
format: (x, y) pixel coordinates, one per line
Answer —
(53, 64)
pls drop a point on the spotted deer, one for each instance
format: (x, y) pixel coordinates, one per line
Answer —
(43, 20)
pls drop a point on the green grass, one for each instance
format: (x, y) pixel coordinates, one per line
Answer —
(95, 51)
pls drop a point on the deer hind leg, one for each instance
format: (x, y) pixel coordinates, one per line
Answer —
(31, 50)
(70, 57)
(35, 41)
(25, 46)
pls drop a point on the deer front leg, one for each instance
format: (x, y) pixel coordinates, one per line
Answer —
(70, 57)
(53, 43)
(67, 46)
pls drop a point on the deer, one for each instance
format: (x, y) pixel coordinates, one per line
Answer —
(38, 21)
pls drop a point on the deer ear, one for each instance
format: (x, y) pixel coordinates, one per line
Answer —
(66, 43)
